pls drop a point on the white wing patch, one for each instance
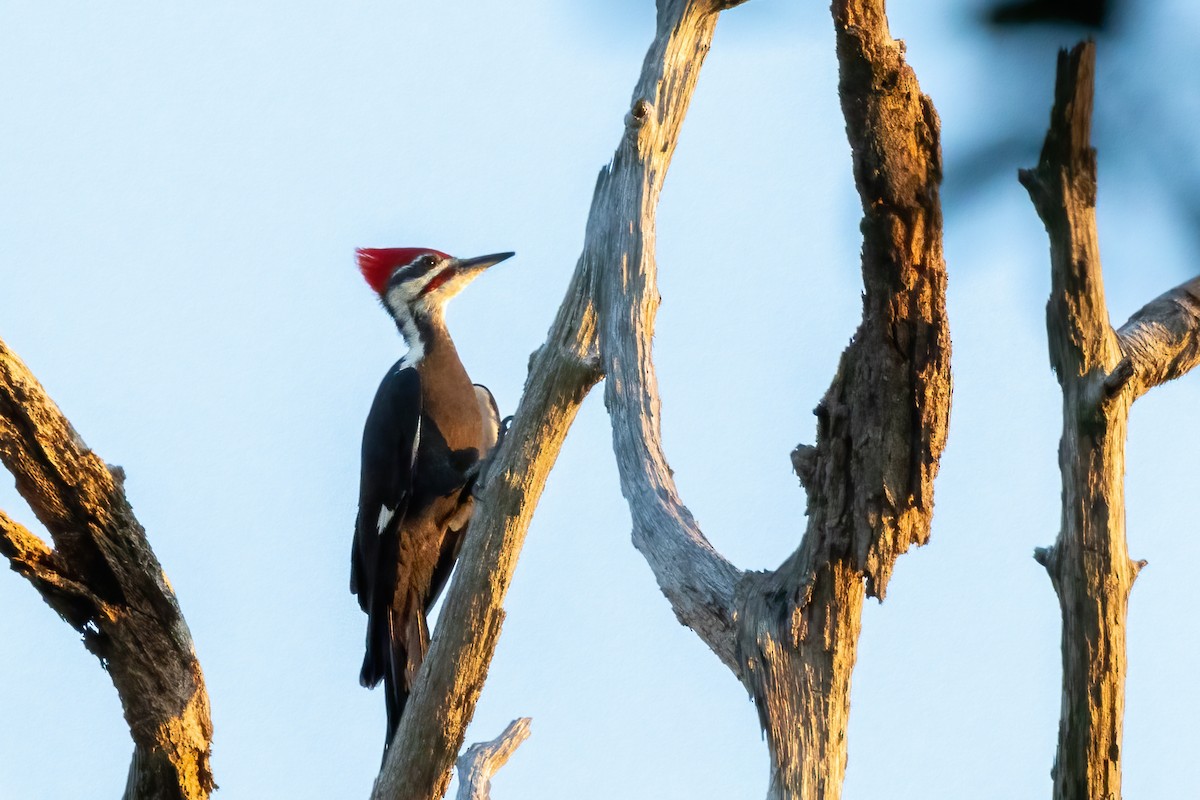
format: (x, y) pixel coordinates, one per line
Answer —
(385, 513)
(416, 445)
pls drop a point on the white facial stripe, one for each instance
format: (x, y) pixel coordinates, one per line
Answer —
(402, 295)
(408, 329)
(416, 351)
(412, 336)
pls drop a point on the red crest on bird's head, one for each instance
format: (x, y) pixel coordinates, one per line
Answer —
(378, 264)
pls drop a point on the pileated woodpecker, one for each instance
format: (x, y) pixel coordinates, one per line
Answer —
(426, 436)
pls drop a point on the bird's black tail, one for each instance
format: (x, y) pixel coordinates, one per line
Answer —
(395, 656)
(395, 690)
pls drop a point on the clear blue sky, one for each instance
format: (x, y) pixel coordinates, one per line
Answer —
(181, 191)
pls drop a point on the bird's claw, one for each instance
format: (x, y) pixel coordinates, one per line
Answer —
(505, 424)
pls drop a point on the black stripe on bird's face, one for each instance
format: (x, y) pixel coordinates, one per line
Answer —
(409, 284)
(417, 269)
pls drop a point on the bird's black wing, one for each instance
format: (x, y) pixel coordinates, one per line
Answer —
(389, 450)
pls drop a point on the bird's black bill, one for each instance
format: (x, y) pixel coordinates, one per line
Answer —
(483, 262)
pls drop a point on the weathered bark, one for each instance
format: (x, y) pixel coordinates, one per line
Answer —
(562, 372)
(881, 427)
(477, 766)
(1160, 342)
(790, 635)
(102, 577)
(1101, 372)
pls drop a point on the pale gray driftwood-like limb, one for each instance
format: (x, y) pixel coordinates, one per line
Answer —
(790, 635)
(562, 372)
(102, 577)
(481, 761)
(697, 580)
(1101, 372)
(1162, 341)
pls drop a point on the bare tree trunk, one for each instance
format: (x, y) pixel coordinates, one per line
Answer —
(1101, 372)
(103, 578)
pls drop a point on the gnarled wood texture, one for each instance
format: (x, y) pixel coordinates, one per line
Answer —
(1101, 372)
(790, 635)
(102, 577)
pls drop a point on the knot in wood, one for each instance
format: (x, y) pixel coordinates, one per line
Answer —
(639, 113)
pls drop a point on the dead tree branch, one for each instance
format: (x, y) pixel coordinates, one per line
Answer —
(1101, 372)
(696, 579)
(481, 761)
(102, 577)
(1162, 341)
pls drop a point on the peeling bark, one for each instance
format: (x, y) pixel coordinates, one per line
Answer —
(1161, 341)
(102, 578)
(1101, 372)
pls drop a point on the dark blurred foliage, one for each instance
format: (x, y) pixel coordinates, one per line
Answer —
(1095, 14)
(994, 62)
(1145, 107)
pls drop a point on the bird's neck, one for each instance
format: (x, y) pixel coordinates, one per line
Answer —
(448, 399)
(426, 337)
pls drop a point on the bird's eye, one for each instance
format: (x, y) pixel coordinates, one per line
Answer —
(428, 261)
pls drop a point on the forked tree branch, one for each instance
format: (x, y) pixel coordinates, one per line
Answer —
(102, 577)
(881, 429)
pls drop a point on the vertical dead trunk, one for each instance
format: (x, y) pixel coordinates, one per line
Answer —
(103, 578)
(1101, 372)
